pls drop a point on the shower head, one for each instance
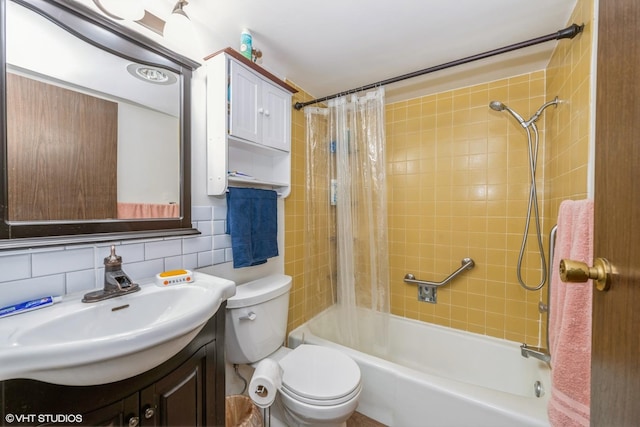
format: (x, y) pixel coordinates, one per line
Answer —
(499, 106)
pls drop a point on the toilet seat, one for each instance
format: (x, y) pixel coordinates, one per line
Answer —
(319, 376)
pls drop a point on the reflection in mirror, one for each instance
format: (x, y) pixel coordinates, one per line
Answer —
(97, 120)
(90, 135)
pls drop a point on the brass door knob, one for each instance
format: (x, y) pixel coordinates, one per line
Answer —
(579, 272)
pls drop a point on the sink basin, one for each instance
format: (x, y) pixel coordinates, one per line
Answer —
(76, 343)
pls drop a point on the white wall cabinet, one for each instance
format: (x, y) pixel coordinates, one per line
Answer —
(248, 125)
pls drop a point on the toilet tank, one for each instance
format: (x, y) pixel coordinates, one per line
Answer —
(256, 319)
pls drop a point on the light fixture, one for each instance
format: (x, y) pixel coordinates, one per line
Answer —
(178, 26)
(130, 10)
(152, 74)
(179, 8)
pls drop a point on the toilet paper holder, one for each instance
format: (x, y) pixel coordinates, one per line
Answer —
(262, 391)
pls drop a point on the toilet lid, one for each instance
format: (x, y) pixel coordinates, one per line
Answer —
(319, 373)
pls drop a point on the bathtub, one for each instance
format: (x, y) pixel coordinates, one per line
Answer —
(438, 376)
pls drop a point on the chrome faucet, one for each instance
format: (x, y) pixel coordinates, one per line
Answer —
(116, 282)
(536, 352)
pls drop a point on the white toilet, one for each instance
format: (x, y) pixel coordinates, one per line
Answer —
(320, 385)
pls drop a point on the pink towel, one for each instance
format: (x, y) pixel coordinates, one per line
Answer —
(570, 319)
(147, 210)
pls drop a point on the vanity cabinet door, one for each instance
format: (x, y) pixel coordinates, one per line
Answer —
(177, 399)
(123, 413)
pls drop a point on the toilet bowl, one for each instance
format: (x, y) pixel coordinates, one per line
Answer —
(319, 386)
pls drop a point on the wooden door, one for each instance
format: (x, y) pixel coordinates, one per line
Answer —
(61, 153)
(615, 366)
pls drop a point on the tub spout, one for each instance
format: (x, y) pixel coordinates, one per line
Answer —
(536, 352)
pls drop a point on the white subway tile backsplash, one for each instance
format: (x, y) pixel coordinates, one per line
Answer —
(56, 270)
(162, 249)
(221, 241)
(218, 256)
(173, 263)
(82, 281)
(46, 263)
(197, 244)
(130, 252)
(201, 213)
(29, 289)
(205, 259)
(145, 269)
(15, 267)
(219, 227)
(228, 255)
(205, 227)
(190, 261)
(219, 212)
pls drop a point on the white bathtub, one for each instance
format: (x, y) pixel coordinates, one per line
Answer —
(438, 376)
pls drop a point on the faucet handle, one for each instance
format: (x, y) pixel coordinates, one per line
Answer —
(113, 259)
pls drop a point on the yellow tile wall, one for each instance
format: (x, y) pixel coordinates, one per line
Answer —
(569, 127)
(294, 206)
(458, 187)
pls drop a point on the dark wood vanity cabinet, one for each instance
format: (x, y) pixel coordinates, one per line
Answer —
(187, 390)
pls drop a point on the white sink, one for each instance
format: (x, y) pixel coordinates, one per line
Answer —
(76, 343)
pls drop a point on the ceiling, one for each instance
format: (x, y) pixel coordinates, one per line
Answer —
(336, 45)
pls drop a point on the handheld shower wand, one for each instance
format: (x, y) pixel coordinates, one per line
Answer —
(499, 106)
(529, 126)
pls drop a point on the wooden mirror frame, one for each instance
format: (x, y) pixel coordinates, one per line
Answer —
(121, 41)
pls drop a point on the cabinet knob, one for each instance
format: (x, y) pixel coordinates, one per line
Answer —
(260, 111)
(149, 412)
(266, 113)
(134, 422)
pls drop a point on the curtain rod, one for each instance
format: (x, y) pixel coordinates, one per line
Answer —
(566, 33)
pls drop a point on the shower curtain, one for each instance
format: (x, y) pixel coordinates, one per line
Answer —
(346, 259)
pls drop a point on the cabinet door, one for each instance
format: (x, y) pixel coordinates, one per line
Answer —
(120, 414)
(245, 121)
(178, 398)
(276, 109)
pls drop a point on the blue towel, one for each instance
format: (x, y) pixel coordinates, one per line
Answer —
(252, 222)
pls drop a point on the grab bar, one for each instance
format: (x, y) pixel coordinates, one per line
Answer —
(467, 264)
(427, 290)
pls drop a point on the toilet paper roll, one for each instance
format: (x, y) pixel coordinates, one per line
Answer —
(265, 382)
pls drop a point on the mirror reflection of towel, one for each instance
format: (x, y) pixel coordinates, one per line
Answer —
(148, 210)
(252, 222)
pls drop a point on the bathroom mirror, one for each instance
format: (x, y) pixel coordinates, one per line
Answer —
(96, 128)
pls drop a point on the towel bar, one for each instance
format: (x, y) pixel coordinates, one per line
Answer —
(257, 188)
